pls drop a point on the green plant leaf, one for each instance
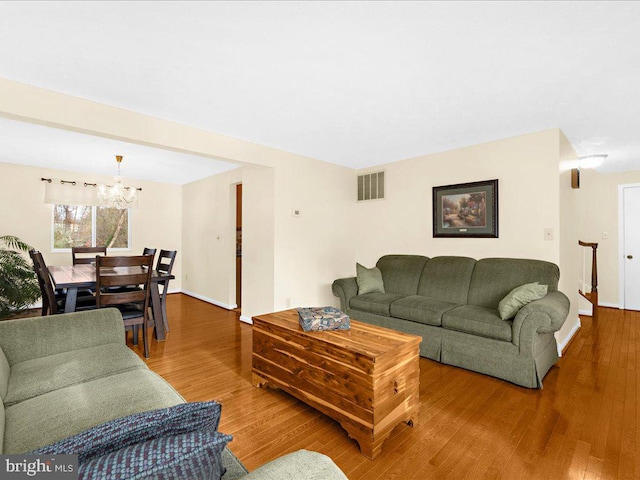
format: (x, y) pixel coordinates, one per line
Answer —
(19, 286)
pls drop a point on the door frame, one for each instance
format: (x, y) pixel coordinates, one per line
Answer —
(621, 256)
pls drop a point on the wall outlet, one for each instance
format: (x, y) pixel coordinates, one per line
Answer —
(287, 302)
(548, 233)
(605, 235)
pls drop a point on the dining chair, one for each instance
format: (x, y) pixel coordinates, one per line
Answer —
(36, 258)
(145, 251)
(93, 251)
(166, 258)
(133, 304)
(53, 300)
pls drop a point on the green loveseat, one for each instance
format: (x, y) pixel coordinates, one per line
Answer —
(63, 374)
(452, 302)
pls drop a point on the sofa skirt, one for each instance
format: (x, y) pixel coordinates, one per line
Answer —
(483, 355)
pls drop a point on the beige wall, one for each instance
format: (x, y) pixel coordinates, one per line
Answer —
(528, 170)
(157, 222)
(570, 252)
(258, 241)
(287, 261)
(598, 214)
(208, 238)
(317, 247)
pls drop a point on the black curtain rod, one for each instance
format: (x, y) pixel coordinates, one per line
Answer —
(73, 182)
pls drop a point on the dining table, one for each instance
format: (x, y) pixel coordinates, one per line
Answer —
(83, 276)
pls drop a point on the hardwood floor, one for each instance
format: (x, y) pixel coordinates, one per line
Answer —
(582, 425)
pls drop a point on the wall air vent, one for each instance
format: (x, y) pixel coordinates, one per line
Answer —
(371, 186)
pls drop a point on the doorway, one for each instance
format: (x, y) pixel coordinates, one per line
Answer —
(629, 219)
(239, 245)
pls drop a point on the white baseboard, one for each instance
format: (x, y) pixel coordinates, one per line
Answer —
(245, 319)
(588, 313)
(565, 341)
(210, 300)
(609, 305)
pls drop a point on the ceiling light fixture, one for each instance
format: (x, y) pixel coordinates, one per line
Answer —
(588, 161)
(592, 161)
(117, 195)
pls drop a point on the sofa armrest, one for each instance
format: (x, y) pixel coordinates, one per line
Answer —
(29, 338)
(345, 289)
(300, 465)
(546, 315)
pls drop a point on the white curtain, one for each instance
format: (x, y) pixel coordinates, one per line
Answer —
(66, 193)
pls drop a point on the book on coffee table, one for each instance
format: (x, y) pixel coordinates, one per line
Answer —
(314, 319)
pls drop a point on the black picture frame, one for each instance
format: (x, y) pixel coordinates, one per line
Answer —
(466, 210)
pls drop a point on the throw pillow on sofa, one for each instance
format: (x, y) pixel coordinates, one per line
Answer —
(369, 280)
(140, 427)
(520, 296)
(193, 456)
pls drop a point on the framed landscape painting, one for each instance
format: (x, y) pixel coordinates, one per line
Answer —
(466, 210)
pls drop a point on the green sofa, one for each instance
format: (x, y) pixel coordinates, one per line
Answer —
(452, 303)
(63, 374)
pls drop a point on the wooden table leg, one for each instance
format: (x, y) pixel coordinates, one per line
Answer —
(158, 321)
(71, 300)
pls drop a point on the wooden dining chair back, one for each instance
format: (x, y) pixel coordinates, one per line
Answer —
(43, 293)
(92, 251)
(166, 258)
(49, 300)
(133, 304)
(146, 251)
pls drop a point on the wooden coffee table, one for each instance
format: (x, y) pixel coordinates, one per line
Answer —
(366, 378)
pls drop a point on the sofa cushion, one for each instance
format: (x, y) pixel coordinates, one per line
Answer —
(477, 321)
(447, 279)
(297, 465)
(378, 303)
(1, 428)
(41, 375)
(139, 427)
(61, 413)
(401, 273)
(520, 296)
(493, 278)
(193, 456)
(5, 371)
(28, 338)
(369, 280)
(235, 468)
(421, 309)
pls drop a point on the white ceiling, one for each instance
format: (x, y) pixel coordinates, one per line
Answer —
(352, 83)
(47, 147)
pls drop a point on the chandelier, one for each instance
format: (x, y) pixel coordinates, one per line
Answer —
(117, 195)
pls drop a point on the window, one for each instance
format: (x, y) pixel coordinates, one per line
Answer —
(84, 226)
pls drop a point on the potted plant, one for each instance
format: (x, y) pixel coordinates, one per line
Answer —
(19, 286)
